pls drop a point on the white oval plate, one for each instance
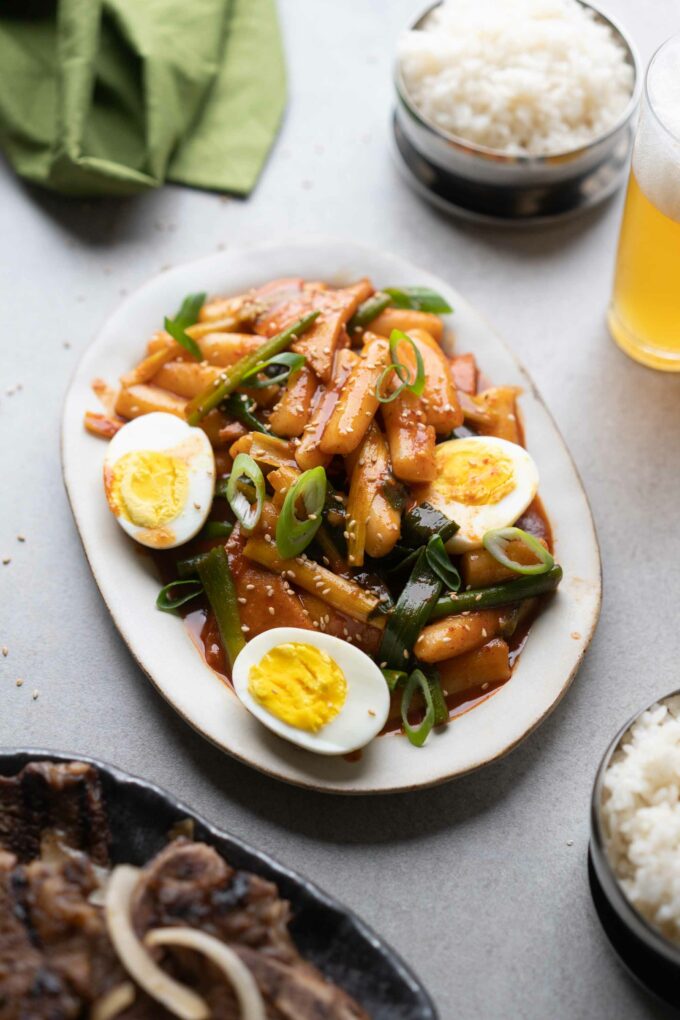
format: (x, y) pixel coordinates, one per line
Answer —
(160, 642)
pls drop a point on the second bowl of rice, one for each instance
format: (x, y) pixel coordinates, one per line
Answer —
(635, 845)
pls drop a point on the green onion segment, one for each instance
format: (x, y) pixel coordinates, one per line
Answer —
(293, 534)
(185, 317)
(240, 407)
(417, 734)
(215, 529)
(290, 362)
(415, 385)
(218, 583)
(247, 513)
(394, 678)
(419, 299)
(496, 543)
(369, 310)
(232, 377)
(412, 611)
(189, 589)
(498, 594)
(439, 562)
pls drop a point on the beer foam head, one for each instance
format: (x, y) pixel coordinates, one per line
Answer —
(656, 160)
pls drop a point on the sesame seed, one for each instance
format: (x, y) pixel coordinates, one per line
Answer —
(21, 538)
(6, 560)
(345, 534)
(406, 653)
(371, 712)
(245, 628)
(271, 610)
(241, 600)
(383, 665)
(35, 695)
(485, 685)
(5, 651)
(19, 682)
(250, 587)
(315, 623)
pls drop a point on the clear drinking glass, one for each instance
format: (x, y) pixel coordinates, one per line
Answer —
(644, 314)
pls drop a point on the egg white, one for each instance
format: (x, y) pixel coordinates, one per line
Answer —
(367, 691)
(475, 521)
(166, 433)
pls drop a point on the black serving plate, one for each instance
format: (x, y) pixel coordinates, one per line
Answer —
(333, 938)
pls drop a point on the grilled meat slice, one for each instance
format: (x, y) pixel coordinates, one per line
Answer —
(56, 959)
(64, 799)
(190, 884)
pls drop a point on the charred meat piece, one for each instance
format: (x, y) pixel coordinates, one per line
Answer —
(65, 800)
(190, 884)
(56, 957)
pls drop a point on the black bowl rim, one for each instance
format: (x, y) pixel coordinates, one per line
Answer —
(15, 758)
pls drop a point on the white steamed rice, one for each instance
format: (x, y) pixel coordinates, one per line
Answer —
(519, 76)
(641, 816)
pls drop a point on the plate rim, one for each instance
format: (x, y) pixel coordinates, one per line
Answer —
(126, 779)
(304, 244)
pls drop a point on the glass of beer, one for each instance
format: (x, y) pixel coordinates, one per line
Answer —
(644, 314)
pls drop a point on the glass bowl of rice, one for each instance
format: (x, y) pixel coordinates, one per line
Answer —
(515, 110)
(634, 858)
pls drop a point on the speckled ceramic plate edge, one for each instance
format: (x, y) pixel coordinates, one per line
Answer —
(162, 646)
(371, 970)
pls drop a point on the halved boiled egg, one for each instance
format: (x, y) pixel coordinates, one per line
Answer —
(159, 478)
(482, 483)
(313, 689)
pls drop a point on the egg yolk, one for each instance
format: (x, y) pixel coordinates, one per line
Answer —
(149, 487)
(473, 479)
(300, 684)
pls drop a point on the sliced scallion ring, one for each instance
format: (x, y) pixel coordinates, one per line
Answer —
(497, 541)
(399, 370)
(415, 385)
(417, 734)
(247, 513)
(290, 363)
(293, 535)
(185, 590)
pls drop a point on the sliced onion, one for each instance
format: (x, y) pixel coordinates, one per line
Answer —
(176, 998)
(114, 1002)
(231, 965)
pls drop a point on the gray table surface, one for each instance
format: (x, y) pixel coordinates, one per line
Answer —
(480, 884)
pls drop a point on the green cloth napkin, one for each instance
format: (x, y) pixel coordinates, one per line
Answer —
(111, 97)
